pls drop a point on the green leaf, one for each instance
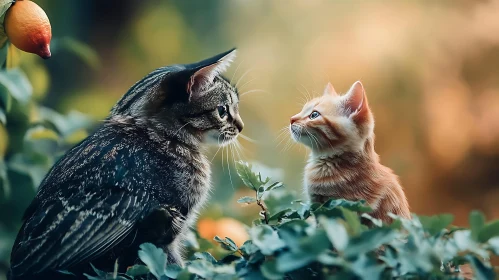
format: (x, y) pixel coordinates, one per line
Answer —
(4, 6)
(488, 231)
(275, 185)
(40, 132)
(352, 220)
(367, 268)
(155, 258)
(247, 200)
(137, 270)
(356, 206)
(481, 271)
(249, 178)
(172, 271)
(5, 99)
(227, 243)
(266, 239)
(336, 233)
(369, 240)
(205, 256)
(269, 270)
(435, 224)
(100, 274)
(477, 221)
(289, 261)
(80, 49)
(3, 116)
(17, 84)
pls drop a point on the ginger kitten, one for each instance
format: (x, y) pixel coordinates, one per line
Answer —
(339, 130)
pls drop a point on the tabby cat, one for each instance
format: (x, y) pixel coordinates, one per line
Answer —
(141, 177)
(339, 130)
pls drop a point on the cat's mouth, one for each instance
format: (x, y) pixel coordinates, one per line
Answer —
(296, 132)
(218, 138)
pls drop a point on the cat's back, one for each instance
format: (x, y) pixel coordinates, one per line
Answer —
(124, 158)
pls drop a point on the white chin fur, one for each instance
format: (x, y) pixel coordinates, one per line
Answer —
(214, 138)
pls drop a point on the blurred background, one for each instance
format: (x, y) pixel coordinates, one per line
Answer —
(430, 69)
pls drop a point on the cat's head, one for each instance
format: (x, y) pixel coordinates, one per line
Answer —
(333, 123)
(186, 101)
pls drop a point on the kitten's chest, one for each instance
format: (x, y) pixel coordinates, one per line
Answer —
(328, 176)
(196, 180)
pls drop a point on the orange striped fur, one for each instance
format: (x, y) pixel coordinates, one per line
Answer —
(339, 130)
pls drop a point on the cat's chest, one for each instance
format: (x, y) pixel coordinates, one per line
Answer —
(329, 174)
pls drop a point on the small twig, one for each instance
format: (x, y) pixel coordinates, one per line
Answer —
(264, 211)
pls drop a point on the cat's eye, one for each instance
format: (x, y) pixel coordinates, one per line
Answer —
(222, 111)
(314, 115)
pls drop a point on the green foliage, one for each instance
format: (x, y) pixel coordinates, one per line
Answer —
(290, 239)
(328, 241)
(32, 138)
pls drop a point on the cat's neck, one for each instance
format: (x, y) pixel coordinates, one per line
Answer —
(160, 132)
(365, 154)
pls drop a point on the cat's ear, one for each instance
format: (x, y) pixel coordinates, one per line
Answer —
(329, 90)
(205, 71)
(356, 102)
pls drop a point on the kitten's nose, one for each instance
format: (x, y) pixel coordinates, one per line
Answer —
(294, 119)
(239, 124)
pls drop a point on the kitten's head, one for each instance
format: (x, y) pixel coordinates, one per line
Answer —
(186, 101)
(334, 124)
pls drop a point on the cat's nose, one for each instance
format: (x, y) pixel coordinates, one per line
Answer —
(294, 119)
(239, 124)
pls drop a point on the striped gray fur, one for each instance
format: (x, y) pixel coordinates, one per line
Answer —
(141, 177)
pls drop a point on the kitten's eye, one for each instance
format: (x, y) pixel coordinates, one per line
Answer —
(222, 111)
(314, 115)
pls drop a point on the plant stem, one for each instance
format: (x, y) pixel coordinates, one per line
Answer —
(264, 211)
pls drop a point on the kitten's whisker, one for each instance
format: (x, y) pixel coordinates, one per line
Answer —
(310, 96)
(228, 168)
(178, 130)
(219, 146)
(282, 131)
(242, 86)
(313, 138)
(235, 72)
(288, 134)
(248, 138)
(242, 76)
(304, 96)
(252, 91)
(236, 148)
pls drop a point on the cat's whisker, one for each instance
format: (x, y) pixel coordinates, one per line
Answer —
(252, 91)
(228, 167)
(310, 95)
(219, 146)
(235, 72)
(242, 86)
(236, 148)
(247, 138)
(285, 133)
(242, 77)
(178, 130)
(282, 132)
(305, 97)
(241, 148)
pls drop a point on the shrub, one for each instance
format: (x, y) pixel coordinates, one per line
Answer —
(298, 240)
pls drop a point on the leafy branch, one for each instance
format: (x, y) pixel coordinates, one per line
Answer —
(261, 187)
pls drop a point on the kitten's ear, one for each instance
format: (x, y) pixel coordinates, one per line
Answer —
(206, 70)
(329, 90)
(356, 102)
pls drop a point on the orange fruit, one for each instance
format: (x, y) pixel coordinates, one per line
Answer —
(228, 227)
(207, 228)
(225, 227)
(28, 28)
